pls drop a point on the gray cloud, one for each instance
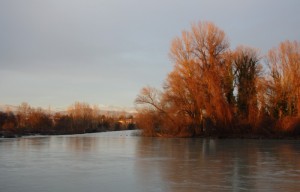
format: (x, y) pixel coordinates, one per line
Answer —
(105, 51)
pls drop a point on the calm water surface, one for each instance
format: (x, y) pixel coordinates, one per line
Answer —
(119, 162)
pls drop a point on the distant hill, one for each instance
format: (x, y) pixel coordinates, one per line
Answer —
(5, 108)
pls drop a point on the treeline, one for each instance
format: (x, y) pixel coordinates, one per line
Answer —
(79, 118)
(215, 91)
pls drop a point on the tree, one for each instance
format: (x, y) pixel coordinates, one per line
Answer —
(149, 122)
(247, 71)
(8, 123)
(212, 90)
(82, 116)
(23, 113)
(199, 84)
(284, 91)
(155, 108)
(39, 122)
(202, 74)
(3, 117)
(63, 123)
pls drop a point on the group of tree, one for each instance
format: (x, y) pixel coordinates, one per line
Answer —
(215, 91)
(79, 118)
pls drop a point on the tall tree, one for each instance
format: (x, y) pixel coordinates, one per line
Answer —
(82, 116)
(201, 72)
(23, 113)
(200, 83)
(247, 71)
(284, 65)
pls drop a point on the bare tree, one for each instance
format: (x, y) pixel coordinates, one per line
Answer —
(82, 115)
(23, 113)
(150, 97)
(201, 69)
(284, 64)
(199, 82)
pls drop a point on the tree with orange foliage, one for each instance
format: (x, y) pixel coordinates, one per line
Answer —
(23, 113)
(82, 117)
(39, 122)
(284, 64)
(284, 86)
(212, 90)
(199, 84)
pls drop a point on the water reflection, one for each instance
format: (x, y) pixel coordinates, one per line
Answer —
(218, 165)
(78, 144)
(90, 162)
(118, 162)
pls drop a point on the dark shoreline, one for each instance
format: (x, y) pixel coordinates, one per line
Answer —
(230, 136)
(140, 134)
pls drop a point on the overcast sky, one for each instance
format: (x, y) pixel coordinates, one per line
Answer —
(56, 52)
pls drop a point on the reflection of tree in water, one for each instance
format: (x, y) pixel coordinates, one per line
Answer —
(78, 144)
(217, 165)
(33, 143)
(278, 163)
(81, 144)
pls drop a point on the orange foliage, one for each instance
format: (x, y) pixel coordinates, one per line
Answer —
(212, 90)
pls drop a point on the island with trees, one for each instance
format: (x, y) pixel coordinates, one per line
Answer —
(215, 91)
(77, 119)
(212, 91)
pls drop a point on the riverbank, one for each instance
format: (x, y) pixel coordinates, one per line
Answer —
(276, 136)
(12, 135)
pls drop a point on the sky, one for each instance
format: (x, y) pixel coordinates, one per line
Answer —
(56, 52)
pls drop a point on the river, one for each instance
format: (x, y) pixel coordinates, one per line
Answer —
(117, 161)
